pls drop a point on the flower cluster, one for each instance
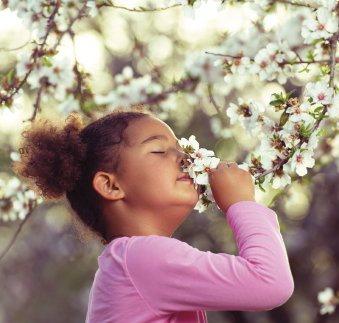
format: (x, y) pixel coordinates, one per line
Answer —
(190, 6)
(271, 62)
(322, 27)
(39, 64)
(286, 146)
(15, 198)
(328, 301)
(199, 166)
(130, 90)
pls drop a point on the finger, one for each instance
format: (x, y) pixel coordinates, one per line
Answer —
(222, 165)
(233, 165)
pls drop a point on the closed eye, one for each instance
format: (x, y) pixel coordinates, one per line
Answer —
(158, 152)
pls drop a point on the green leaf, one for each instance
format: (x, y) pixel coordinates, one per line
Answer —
(289, 93)
(307, 134)
(302, 129)
(47, 62)
(309, 126)
(252, 156)
(142, 8)
(281, 224)
(276, 102)
(227, 66)
(261, 188)
(290, 154)
(321, 131)
(294, 149)
(284, 118)
(53, 54)
(9, 75)
(301, 150)
(277, 96)
(259, 159)
(262, 179)
(304, 70)
(318, 109)
(310, 100)
(315, 41)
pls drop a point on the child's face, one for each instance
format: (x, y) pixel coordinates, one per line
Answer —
(151, 169)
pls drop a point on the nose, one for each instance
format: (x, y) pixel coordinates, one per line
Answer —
(182, 156)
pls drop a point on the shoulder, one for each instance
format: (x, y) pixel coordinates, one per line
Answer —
(144, 246)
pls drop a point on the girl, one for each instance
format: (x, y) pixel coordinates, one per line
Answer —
(122, 176)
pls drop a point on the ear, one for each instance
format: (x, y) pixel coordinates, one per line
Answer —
(107, 186)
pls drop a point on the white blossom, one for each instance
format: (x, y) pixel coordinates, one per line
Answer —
(240, 65)
(201, 205)
(234, 112)
(281, 179)
(69, 105)
(324, 27)
(326, 298)
(261, 65)
(330, 4)
(319, 92)
(94, 10)
(205, 165)
(301, 160)
(333, 107)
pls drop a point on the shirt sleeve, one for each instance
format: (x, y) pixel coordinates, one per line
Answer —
(172, 276)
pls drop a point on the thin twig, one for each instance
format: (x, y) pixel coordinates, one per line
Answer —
(185, 85)
(332, 71)
(37, 54)
(17, 232)
(224, 55)
(209, 88)
(36, 106)
(68, 30)
(22, 46)
(252, 60)
(295, 4)
(140, 10)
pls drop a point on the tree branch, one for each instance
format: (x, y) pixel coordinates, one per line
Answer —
(38, 53)
(68, 30)
(209, 88)
(31, 209)
(42, 81)
(252, 60)
(22, 46)
(142, 8)
(295, 4)
(185, 85)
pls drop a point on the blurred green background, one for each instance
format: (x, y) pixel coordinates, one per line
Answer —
(48, 273)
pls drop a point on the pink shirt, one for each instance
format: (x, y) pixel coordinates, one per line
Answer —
(156, 279)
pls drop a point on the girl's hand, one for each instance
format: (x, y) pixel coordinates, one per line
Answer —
(231, 184)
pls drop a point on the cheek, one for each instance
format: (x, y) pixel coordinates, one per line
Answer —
(152, 175)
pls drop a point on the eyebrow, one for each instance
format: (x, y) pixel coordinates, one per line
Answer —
(159, 137)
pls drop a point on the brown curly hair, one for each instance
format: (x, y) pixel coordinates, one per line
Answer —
(61, 157)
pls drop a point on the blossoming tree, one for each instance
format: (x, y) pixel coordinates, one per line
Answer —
(288, 145)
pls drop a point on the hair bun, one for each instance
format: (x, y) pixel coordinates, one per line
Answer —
(51, 154)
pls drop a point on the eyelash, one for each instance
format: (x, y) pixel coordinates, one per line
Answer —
(158, 152)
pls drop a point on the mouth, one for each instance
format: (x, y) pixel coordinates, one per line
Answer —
(186, 178)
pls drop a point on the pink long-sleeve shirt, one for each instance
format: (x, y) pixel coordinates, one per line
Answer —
(156, 279)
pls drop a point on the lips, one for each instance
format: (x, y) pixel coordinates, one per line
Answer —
(186, 178)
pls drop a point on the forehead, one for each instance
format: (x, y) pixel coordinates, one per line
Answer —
(143, 128)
